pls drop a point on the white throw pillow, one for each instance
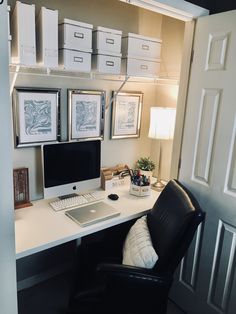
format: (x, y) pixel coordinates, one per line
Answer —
(138, 249)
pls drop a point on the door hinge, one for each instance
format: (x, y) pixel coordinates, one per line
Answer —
(179, 165)
(192, 55)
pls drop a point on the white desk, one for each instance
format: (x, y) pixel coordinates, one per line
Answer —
(39, 227)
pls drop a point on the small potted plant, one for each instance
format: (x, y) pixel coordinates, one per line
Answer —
(146, 165)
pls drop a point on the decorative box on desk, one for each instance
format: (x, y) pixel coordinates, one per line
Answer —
(140, 183)
(140, 190)
(112, 177)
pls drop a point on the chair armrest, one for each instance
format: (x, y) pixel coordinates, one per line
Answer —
(132, 273)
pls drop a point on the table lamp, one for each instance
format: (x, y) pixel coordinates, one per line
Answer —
(162, 124)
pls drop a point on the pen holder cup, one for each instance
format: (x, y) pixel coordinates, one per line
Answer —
(140, 190)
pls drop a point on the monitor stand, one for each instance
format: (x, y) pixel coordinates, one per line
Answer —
(63, 197)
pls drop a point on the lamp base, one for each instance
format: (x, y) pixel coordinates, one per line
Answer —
(158, 185)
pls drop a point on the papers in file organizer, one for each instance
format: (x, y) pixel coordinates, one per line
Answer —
(93, 213)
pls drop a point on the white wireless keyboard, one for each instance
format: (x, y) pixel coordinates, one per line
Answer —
(77, 201)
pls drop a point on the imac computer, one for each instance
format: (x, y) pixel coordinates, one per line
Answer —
(71, 167)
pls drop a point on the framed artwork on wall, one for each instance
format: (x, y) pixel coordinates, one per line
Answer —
(36, 116)
(126, 114)
(86, 111)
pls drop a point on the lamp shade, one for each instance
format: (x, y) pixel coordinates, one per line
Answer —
(162, 123)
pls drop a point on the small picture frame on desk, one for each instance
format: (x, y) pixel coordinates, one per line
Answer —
(21, 188)
(86, 114)
(126, 114)
(36, 116)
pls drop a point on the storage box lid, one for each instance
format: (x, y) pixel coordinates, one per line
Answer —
(45, 9)
(141, 58)
(76, 23)
(138, 36)
(85, 50)
(107, 30)
(106, 53)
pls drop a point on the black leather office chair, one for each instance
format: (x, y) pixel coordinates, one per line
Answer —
(123, 289)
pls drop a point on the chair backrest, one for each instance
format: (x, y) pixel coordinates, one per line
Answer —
(172, 223)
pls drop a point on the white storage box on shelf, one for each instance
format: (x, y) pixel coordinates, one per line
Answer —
(108, 64)
(140, 55)
(75, 45)
(140, 67)
(23, 34)
(75, 60)
(106, 50)
(135, 45)
(47, 37)
(75, 35)
(107, 40)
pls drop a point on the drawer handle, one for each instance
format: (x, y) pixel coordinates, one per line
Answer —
(144, 67)
(78, 35)
(110, 63)
(145, 47)
(110, 41)
(78, 59)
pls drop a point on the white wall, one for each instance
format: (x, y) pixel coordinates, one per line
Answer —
(8, 302)
(118, 15)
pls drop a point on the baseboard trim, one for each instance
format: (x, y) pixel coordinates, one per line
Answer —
(36, 279)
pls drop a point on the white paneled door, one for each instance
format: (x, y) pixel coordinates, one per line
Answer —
(206, 282)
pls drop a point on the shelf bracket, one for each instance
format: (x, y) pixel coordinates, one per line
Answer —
(115, 93)
(14, 79)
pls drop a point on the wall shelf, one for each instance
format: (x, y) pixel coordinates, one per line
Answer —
(17, 69)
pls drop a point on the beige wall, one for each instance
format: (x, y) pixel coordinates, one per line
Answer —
(172, 34)
(117, 15)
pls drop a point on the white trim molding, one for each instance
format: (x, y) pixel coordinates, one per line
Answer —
(178, 9)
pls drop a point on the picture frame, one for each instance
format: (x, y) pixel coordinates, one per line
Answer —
(86, 114)
(21, 187)
(126, 114)
(36, 116)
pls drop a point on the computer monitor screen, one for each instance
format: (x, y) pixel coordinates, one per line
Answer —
(71, 167)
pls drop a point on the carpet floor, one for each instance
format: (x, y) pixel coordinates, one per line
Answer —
(51, 297)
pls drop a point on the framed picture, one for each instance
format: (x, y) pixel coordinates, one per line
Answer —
(86, 110)
(36, 116)
(126, 114)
